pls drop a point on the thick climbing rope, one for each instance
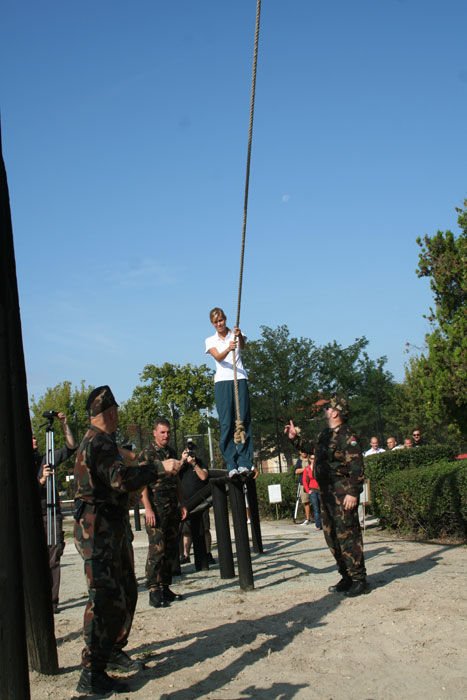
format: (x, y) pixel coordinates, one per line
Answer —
(239, 434)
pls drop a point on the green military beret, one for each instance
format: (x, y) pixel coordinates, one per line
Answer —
(99, 400)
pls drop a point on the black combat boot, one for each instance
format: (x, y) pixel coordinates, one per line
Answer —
(157, 600)
(341, 586)
(99, 683)
(170, 596)
(120, 661)
(357, 588)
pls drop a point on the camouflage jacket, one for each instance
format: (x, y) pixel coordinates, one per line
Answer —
(167, 486)
(338, 460)
(101, 475)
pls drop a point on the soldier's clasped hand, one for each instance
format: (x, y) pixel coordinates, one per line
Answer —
(171, 466)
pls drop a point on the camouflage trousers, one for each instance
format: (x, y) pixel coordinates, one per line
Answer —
(343, 534)
(163, 551)
(102, 539)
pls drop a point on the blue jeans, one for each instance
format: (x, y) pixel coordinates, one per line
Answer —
(241, 454)
(315, 501)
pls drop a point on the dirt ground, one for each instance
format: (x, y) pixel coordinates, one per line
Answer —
(290, 638)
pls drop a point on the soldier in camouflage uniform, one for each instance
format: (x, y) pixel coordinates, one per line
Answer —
(339, 472)
(103, 483)
(163, 513)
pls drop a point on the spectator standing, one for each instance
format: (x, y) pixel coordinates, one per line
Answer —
(375, 449)
(311, 487)
(391, 443)
(193, 479)
(417, 438)
(300, 467)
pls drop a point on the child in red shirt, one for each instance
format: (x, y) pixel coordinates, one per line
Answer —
(312, 489)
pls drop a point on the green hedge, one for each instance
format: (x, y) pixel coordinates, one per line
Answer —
(421, 491)
(287, 481)
(431, 502)
(378, 466)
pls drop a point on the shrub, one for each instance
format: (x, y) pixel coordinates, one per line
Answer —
(431, 501)
(287, 481)
(378, 466)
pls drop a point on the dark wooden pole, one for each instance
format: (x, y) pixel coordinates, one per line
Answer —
(32, 551)
(199, 541)
(137, 515)
(14, 676)
(242, 542)
(221, 520)
(254, 516)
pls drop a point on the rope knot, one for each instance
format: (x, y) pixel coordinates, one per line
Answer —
(239, 434)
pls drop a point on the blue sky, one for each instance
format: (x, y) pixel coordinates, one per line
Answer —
(124, 129)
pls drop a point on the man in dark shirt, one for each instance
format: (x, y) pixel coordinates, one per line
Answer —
(417, 439)
(194, 480)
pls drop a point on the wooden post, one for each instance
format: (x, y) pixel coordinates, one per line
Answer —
(242, 542)
(137, 515)
(221, 519)
(199, 541)
(14, 676)
(17, 458)
(254, 516)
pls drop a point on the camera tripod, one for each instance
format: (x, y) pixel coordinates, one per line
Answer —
(50, 481)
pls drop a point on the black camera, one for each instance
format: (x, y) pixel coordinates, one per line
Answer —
(190, 448)
(50, 415)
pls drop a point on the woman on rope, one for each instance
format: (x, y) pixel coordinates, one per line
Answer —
(235, 441)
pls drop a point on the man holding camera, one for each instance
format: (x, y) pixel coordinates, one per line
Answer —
(162, 502)
(46, 471)
(195, 488)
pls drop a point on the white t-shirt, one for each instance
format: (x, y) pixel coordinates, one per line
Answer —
(224, 369)
(371, 451)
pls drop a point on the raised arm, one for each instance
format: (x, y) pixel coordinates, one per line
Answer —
(69, 437)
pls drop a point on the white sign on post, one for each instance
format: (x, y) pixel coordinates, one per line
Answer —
(275, 493)
(365, 497)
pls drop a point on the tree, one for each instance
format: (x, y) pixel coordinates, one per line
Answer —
(281, 382)
(177, 392)
(364, 382)
(437, 379)
(287, 375)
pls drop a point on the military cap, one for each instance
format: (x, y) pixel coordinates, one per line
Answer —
(99, 400)
(337, 402)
